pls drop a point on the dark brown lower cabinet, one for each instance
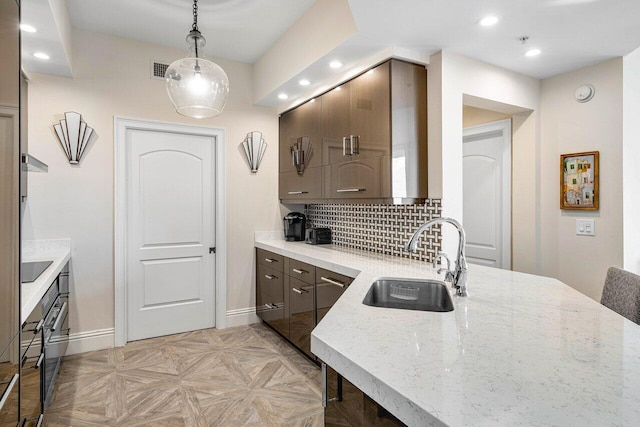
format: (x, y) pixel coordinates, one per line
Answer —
(329, 288)
(293, 296)
(270, 304)
(348, 406)
(301, 314)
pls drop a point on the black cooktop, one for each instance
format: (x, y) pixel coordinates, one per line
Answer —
(30, 271)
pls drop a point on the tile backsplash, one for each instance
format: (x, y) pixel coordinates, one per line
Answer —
(380, 228)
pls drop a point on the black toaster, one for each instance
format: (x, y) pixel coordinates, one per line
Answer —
(318, 236)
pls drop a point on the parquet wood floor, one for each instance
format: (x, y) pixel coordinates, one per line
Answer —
(243, 376)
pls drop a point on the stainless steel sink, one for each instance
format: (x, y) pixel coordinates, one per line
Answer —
(407, 294)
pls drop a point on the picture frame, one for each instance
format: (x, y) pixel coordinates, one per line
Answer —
(579, 181)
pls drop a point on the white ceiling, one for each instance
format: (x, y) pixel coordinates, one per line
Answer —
(241, 30)
(570, 33)
(47, 39)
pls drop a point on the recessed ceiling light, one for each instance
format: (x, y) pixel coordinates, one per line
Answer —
(488, 21)
(533, 52)
(28, 28)
(304, 82)
(335, 64)
(41, 55)
(283, 96)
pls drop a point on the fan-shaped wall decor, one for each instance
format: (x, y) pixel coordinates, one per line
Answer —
(301, 153)
(74, 136)
(254, 148)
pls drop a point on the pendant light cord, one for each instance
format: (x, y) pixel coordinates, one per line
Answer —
(194, 27)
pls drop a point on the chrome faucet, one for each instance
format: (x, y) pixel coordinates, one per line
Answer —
(458, 276)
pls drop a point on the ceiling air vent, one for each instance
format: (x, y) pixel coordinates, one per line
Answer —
(158, 69)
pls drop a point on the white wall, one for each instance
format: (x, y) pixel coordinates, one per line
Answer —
(630, 156)
(112, 79)
(323, 27)
(570, 127)
(544, 239)
(461, 77)
(473, 116)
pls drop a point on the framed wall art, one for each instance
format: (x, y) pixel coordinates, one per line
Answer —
(579, 181)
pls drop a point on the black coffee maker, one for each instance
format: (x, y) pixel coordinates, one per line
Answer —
(295, 225)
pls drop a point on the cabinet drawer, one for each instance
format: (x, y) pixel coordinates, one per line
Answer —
(359, 179)
(300, 187)
(267, 309)
(329, 288)
(302, 271)
(271, 260)
(269, 284)
(270, 296)
(330, 275)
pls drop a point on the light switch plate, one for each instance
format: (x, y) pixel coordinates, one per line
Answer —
(585, 227)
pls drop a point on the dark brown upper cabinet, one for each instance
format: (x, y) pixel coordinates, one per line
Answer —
(300, 153)
(369, 138)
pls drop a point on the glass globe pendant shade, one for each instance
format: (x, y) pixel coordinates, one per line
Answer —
(196, 86)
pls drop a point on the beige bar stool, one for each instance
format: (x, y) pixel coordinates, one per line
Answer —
(621, 293)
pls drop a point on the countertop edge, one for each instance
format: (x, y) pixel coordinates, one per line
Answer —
(43, 282)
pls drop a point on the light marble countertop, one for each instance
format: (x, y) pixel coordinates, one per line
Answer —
(521, 350)
(58, 251)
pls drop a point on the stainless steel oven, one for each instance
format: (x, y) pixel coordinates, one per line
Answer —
(55, 336)
(31, 369)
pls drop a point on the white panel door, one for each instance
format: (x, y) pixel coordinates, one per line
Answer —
(487, 196)
(170, 210)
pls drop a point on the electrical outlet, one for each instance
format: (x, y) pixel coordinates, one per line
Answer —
(585, 227)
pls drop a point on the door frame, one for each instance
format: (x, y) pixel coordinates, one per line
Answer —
(120, 128)
(488, 130)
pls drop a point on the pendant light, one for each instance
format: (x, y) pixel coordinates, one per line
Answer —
(196, 86)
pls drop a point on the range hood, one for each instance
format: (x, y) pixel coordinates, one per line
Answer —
(31, 164)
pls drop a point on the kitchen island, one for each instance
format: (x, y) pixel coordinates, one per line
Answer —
(520, 350)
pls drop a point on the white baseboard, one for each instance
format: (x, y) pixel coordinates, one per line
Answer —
(241, 317)
(83, 342)
(99, 339)
(80, 342)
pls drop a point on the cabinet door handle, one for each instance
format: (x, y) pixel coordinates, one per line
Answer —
(297, 192)
(270, 276)
(333, 281)
(350, 190)
(300, 291)
(354, 144)
(7, 391)
(271, 306)
(297, 270)
(39, 362)
(344, 145)
(40, 419)
(270, 260)
(60, 317)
